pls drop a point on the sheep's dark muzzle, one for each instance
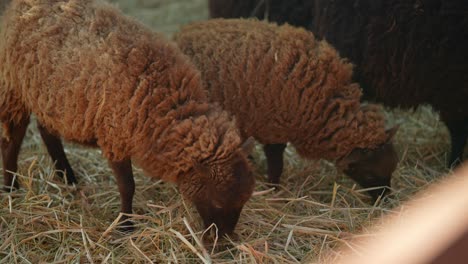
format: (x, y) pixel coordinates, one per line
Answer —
(380, 185)
(225, 219)
(375, 193)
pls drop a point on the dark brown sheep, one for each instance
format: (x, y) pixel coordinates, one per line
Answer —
(407, 52)
(96, 77)
(284, 86)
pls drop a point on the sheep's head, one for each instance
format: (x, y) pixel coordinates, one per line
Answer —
(219, 192)
(372, 167)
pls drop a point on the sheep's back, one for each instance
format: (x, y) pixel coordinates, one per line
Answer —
(62, 64)
(81, 65)
(416, 54)
(406, 52)
(278, 81)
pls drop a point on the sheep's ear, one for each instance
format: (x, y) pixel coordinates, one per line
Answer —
(391, 132)
(248, 146)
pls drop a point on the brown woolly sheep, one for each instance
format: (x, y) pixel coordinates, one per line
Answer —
(94, 76)
(406, 52)
(284, 86)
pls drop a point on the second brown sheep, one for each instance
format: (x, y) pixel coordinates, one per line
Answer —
(284, 86)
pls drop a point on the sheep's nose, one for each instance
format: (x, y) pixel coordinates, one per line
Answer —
(384, 191)
(225, 220)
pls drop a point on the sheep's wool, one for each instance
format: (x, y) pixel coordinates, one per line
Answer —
(94, 76)
(283, 86)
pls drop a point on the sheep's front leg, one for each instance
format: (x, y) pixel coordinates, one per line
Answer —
(458, 136)
(274, 156)
(12, 138)
(55, 148)
(124, 177)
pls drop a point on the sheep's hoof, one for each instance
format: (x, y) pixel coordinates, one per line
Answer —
(68, 175)
(273, 181)
(126, 225)
(10, 188)
(127, 228)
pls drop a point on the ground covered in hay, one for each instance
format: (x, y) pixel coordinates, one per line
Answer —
(315, 210)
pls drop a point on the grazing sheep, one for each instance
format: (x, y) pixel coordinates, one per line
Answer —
(93, 76)
(284, 86)
(406, 52)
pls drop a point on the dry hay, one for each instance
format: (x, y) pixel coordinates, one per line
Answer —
(314, 211)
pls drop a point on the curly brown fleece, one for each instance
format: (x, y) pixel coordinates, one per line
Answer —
(94, 76)
(283, 86)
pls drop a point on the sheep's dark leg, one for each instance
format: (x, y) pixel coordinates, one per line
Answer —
(55, 148)
(458, 136)
(11, 144)
(124, 177)
(274, 156)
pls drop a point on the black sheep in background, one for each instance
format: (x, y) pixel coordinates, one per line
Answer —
(406, 52)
